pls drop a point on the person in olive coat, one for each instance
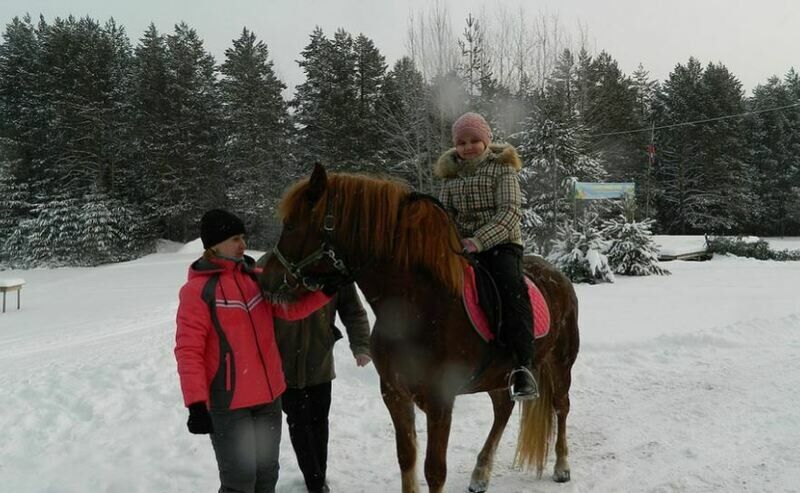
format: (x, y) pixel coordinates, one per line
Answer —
(306, 348)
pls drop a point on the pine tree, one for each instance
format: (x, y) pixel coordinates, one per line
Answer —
(84, 71)
(22, 129)
(194, 179)
(256, 130)
(341, 132)
(310, 97)
(554, 155)
(370, 74)
(561, 98)
(646, 91)
(792, 80)
(323, 102)
(151, 119)
(679, 175)
(407, 125)
(728, 198)
(775, 138)
(578, 253)
(22, 121)
(611, 108)
(632, 251)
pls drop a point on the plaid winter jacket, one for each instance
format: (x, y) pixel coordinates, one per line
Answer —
(483, 196)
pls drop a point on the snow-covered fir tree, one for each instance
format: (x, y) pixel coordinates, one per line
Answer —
(553, 154)
(631, 250)
(578, 252)
(775, 143)
(703, 174)
(370, 76)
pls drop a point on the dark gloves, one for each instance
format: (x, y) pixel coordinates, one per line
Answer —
(199, 419)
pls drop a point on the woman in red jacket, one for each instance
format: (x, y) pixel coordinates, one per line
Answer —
(228, 362)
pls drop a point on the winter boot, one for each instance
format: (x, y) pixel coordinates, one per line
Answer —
(523, 384)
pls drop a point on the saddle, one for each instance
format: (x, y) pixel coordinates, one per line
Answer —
(483, 307)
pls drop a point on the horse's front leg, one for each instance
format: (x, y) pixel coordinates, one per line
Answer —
(440, 415)
(483, 468)
(561, 473)
(401, 409)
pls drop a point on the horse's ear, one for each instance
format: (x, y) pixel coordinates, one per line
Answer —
(317, 183)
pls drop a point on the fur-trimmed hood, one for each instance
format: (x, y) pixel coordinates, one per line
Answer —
(448, 165)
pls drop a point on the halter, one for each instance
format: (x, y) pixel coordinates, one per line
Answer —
(326, 249)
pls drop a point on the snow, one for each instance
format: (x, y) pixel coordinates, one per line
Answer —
(684, 383)
(194, 246)
(9, 283)
(784, 243)
(678, 244)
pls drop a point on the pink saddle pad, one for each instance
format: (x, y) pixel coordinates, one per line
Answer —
(541, 314)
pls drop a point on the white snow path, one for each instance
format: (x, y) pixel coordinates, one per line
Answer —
(683, 383)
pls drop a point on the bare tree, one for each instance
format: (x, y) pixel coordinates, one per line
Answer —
(431, 41)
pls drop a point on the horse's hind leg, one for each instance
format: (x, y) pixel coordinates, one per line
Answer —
(562, 379)
(401, 410)
(561, 405)
(483, 468)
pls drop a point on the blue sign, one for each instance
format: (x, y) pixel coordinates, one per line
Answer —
(596, 191)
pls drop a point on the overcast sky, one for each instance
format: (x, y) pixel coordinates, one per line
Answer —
(754, 39)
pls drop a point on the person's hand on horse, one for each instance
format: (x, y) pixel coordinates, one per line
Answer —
(363, 359)
(469, 246)
(199, 422)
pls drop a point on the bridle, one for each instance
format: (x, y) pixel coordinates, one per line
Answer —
(298, 270)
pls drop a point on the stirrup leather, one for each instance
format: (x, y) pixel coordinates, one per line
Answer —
(522, 397)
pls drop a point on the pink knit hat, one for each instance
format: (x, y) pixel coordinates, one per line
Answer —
(472, 125)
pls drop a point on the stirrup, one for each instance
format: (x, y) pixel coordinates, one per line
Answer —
(522, 397)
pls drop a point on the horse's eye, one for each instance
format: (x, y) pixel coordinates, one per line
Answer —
(288, 226)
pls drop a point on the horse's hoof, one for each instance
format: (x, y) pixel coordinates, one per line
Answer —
(561, 476)
(478, 486)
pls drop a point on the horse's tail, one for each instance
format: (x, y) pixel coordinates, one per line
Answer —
(536, 425)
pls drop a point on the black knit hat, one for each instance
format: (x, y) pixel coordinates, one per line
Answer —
(218, 225)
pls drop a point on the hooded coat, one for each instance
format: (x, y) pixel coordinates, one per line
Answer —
(226, 350)
(483, 195)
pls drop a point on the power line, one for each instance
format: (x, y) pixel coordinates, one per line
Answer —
(684, 124)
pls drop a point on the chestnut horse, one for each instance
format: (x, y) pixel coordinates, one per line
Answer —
(404, 254)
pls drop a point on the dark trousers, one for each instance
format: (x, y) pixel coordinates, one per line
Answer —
(247, 443)
(307, 412)
(504, 263)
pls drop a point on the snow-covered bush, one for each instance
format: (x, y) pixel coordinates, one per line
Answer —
(631, 250)
(68, 231)
(578, 253)
(746, 247)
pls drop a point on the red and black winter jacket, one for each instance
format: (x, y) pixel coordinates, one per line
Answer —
(225, 342)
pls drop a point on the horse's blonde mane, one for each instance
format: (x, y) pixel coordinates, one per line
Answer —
(375, 218)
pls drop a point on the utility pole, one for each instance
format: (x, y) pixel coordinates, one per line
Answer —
(651, 153)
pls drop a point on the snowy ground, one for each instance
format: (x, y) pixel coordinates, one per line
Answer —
(684, 383)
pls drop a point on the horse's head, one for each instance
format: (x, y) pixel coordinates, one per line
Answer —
(305, 258)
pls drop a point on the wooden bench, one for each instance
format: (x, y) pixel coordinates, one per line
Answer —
(7, 285)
